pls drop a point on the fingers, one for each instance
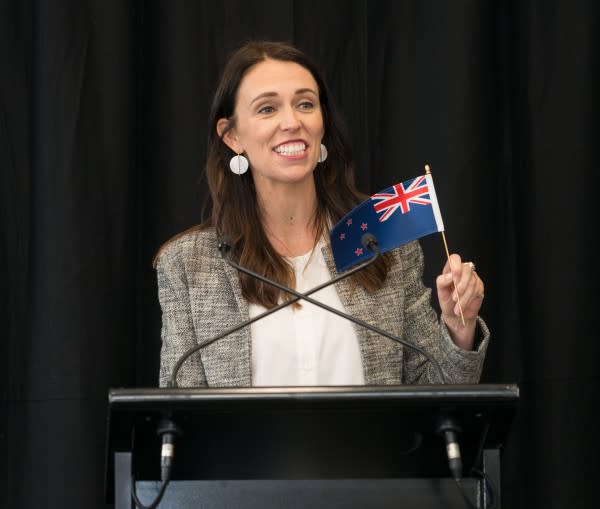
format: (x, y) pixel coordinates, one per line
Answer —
(470, 289)
(460, 279)
(453, 273)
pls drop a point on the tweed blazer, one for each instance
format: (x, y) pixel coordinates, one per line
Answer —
(201, 297)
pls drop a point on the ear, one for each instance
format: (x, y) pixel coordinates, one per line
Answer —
(230, 138)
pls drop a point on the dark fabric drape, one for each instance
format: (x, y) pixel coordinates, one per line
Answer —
(103, 108)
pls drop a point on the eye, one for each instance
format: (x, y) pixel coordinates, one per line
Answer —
(266, 109)
(306, 105)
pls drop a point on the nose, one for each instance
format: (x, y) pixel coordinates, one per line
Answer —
(289, 119)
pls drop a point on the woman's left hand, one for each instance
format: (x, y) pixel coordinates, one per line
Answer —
(459, 281)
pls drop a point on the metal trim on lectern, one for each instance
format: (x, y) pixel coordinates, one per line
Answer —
(321, 442)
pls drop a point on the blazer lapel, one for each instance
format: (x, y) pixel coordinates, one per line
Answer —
(381, 357)
(227, 361)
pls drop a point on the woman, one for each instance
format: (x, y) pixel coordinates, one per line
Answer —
(280, 174)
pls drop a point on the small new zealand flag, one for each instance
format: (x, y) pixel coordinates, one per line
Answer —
(397, 215)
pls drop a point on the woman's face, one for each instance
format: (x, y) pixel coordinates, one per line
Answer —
(279, 123)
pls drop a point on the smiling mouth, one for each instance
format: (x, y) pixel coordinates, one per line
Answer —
(291, 149)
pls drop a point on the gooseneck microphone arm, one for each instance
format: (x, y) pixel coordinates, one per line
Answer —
(368, 241)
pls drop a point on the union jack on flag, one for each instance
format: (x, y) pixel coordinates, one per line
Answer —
(417, 192)
(419, 216)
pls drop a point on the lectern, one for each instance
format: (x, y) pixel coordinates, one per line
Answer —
(320, 447)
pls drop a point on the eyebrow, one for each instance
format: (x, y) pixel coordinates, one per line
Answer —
(274, 94)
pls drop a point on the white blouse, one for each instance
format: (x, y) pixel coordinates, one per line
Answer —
(307, 346)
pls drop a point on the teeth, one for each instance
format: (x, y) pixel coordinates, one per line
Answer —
(291, 149)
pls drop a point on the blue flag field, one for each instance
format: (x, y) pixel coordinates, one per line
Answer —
(396, 215)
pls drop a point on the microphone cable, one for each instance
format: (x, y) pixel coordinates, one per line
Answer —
(369, 242)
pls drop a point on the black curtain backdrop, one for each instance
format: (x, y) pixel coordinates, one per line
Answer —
(103, 108)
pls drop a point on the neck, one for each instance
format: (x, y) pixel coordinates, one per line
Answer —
(288, 217)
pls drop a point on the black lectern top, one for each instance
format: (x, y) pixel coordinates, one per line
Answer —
(307, 432)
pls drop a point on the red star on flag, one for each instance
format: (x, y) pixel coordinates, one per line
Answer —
(342, 236)
(349, 222)
(358, 251)
(364, 226)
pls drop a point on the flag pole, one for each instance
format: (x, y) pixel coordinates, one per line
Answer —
(462, 317)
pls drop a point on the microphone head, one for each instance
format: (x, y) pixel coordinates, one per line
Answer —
(369, 241)
(224, 244)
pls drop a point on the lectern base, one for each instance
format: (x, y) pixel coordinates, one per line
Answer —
(311, 493)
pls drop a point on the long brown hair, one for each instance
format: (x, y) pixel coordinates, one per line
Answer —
(235, 210)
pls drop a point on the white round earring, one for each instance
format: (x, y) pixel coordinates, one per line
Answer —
(238, 164)
(322, 154)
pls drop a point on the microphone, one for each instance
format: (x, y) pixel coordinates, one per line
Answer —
(448, 428)
(368, 241)
(167, 430)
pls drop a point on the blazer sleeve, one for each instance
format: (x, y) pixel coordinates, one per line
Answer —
(424, 328)
(177, 333)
